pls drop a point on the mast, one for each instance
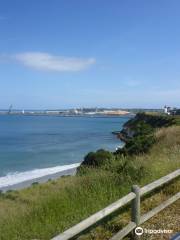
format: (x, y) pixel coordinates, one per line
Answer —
(10, 109)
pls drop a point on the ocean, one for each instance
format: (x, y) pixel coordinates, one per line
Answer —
(35, 146)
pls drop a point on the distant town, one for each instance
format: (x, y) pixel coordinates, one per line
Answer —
(66, 112)
(87, 111)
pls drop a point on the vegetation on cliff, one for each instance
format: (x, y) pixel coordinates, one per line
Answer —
(139, 135)
(44, 210)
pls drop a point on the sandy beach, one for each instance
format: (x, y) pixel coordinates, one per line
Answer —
(43, 179)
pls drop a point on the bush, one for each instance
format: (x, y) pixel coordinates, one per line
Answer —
(142, 129)
(155, 121)
(97, 159)
(34, 183)
(139, 144)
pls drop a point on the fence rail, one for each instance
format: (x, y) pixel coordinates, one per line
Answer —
(136, 218)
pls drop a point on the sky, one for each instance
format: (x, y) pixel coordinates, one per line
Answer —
(89, 53)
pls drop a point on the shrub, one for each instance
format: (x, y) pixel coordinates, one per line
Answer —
(97, 159)
(137, 145)
(34, 183)
(142, 128)
(94, 160)
(155, 121)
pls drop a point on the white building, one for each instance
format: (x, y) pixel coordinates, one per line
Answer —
(167, 110)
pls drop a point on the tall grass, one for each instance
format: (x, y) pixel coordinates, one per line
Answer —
(44, 210)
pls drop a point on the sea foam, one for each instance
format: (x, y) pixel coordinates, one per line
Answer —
(19, 177)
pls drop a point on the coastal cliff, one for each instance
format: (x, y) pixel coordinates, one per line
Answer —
(143, 120)
(138, 134)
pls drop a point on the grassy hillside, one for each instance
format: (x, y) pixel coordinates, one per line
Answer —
(44, 210)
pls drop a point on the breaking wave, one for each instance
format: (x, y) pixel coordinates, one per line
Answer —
(19, 177)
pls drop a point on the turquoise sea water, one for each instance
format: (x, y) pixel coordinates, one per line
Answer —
(29, 143)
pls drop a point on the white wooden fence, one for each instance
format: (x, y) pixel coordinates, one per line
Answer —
(136, 218)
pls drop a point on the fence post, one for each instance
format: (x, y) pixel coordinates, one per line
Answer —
(135, 212)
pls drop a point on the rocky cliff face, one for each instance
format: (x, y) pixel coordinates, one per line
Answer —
(141, 122)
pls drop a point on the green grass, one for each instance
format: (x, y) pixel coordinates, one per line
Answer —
(44, 210)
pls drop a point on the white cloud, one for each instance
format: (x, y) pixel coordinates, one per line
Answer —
(48, 62)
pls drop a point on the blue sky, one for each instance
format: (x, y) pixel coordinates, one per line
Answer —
(88, 53)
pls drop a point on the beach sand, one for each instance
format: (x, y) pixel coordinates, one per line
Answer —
(43, 179)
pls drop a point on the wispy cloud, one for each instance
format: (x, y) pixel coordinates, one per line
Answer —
(47, 62)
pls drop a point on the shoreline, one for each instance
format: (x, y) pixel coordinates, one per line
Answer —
(44, 179)
(28, 183)
(25, 183)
